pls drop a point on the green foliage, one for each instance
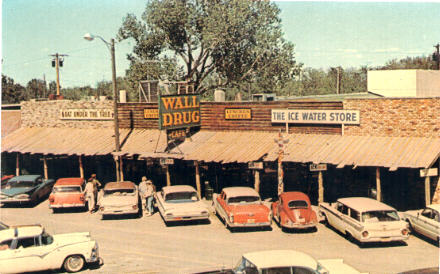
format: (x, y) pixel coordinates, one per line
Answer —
(12, 93)
(419, 62)
(36, 88)
(217, 43)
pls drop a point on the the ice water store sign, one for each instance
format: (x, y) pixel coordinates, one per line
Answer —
(86, 114)
(306, 116)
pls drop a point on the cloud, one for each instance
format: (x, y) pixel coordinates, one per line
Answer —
(387, 50)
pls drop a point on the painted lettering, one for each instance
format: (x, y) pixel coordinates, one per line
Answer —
(168, 102)
(167, 119)
(195, 116)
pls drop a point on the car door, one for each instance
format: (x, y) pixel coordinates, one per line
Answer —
(341, 214)
(25, 256)
(429, 223)
(221, 206)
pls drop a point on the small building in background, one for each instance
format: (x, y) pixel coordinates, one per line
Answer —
(404, 83)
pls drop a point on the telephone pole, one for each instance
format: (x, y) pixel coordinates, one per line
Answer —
(57, 62)
(437, 55)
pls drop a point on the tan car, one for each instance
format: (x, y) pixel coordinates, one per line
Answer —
(425, 221)
(365, 220)
(118, 198)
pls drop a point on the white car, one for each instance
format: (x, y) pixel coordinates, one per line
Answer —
(365, 220)
(286, 261)
(30, 248)
(118, 198)
(180, 203)
(425, 221)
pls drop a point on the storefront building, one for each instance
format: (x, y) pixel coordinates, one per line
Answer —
(380, 147)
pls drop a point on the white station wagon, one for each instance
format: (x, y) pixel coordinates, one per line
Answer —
(365, 220)
(30, 248)
(180, 203)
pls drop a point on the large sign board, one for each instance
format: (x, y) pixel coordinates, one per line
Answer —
(238, 114)
(86, 114)
(179, 111)
(310, 116)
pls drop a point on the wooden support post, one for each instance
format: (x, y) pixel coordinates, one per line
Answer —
(320, 188)
(199, 190)
(45, 167)
(81, 169)
(168, 175)
(257, 181)
(121, 169)
(378, 185)
(117, 168)
(17, 165)
(427, 190)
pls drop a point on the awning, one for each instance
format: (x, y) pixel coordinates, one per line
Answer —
(391, 152)
(228, 146)
(69, 141)
(11, 120)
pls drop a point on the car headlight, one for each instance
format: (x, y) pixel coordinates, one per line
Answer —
(22, 196)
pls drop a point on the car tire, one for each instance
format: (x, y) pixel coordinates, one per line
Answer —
(74, 263)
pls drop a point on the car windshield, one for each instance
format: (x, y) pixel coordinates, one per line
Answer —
(67, 189)
(13, 183)
(298, 204)
(380, 216)
(119, 192)
(243, 199)
(181, 197)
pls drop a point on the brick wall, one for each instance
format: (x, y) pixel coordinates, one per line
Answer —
(46, 114)
(404, 117)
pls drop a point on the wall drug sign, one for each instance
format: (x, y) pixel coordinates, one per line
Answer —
(306, 116)
(179, 111)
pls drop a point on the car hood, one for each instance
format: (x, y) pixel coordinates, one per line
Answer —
(16, 190)
(72, 238)
(185, 207)
(248, 208)
(118, 200)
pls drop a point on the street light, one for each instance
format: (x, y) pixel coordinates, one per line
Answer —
(111, 47)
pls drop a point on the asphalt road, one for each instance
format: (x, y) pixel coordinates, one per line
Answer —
(146, 245)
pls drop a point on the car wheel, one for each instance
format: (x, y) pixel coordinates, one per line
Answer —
(410, 227)
(73, 263)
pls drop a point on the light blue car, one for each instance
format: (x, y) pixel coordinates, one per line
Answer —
(26, 189)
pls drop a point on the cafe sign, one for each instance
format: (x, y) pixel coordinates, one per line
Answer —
(310, 116)
(86, 114)
(179, 111)
(238, 114)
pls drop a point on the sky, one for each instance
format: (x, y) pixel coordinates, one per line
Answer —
(325, 34)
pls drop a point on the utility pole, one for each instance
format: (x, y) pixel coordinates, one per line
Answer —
(280, 141)
(57, 62)
(45, 86)
(437, 55)
(338, 80)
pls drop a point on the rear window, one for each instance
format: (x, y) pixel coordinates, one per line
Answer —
(181, 197)
(243, 199)
(380, 216)
(119, 192)
(298, 204)
(67, 189)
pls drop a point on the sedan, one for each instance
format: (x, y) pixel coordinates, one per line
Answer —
(425, 221)
(119, 198)
(25, 189)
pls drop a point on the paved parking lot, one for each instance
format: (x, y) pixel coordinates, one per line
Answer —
(146, 245)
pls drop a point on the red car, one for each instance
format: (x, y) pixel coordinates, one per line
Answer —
(293, 210)
(241, 207)
(68, 192)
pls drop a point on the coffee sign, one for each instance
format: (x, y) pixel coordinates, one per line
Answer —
(151, 113)
(86, 114)
(179, 111)
(238, 114)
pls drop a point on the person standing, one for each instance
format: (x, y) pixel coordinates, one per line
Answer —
(92, 191)
(147, 190)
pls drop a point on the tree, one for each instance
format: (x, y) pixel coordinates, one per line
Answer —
(418, 62)
(221, 43)
(12, 93)
(36, 88)
(52, 87)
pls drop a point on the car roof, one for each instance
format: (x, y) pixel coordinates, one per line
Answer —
(25, 178)
(239, 191)
(69, 182)
(178, 188)
(434, 206)
(363, 204)
(294, 195)
(280, 258)
(22, 231)
(120, 185)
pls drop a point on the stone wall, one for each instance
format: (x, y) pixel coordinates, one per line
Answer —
(402, 117)
(47, 114)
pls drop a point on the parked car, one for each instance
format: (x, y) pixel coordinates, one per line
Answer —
(365, 220)
(5, 179)
(425, 221)
(25, 189)
(293, 210)
(31, 248)
(284, 261)
(180, 203)
(68, 193)
(241, 207)
(119, 198)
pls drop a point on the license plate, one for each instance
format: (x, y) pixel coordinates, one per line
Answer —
(251, 221)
